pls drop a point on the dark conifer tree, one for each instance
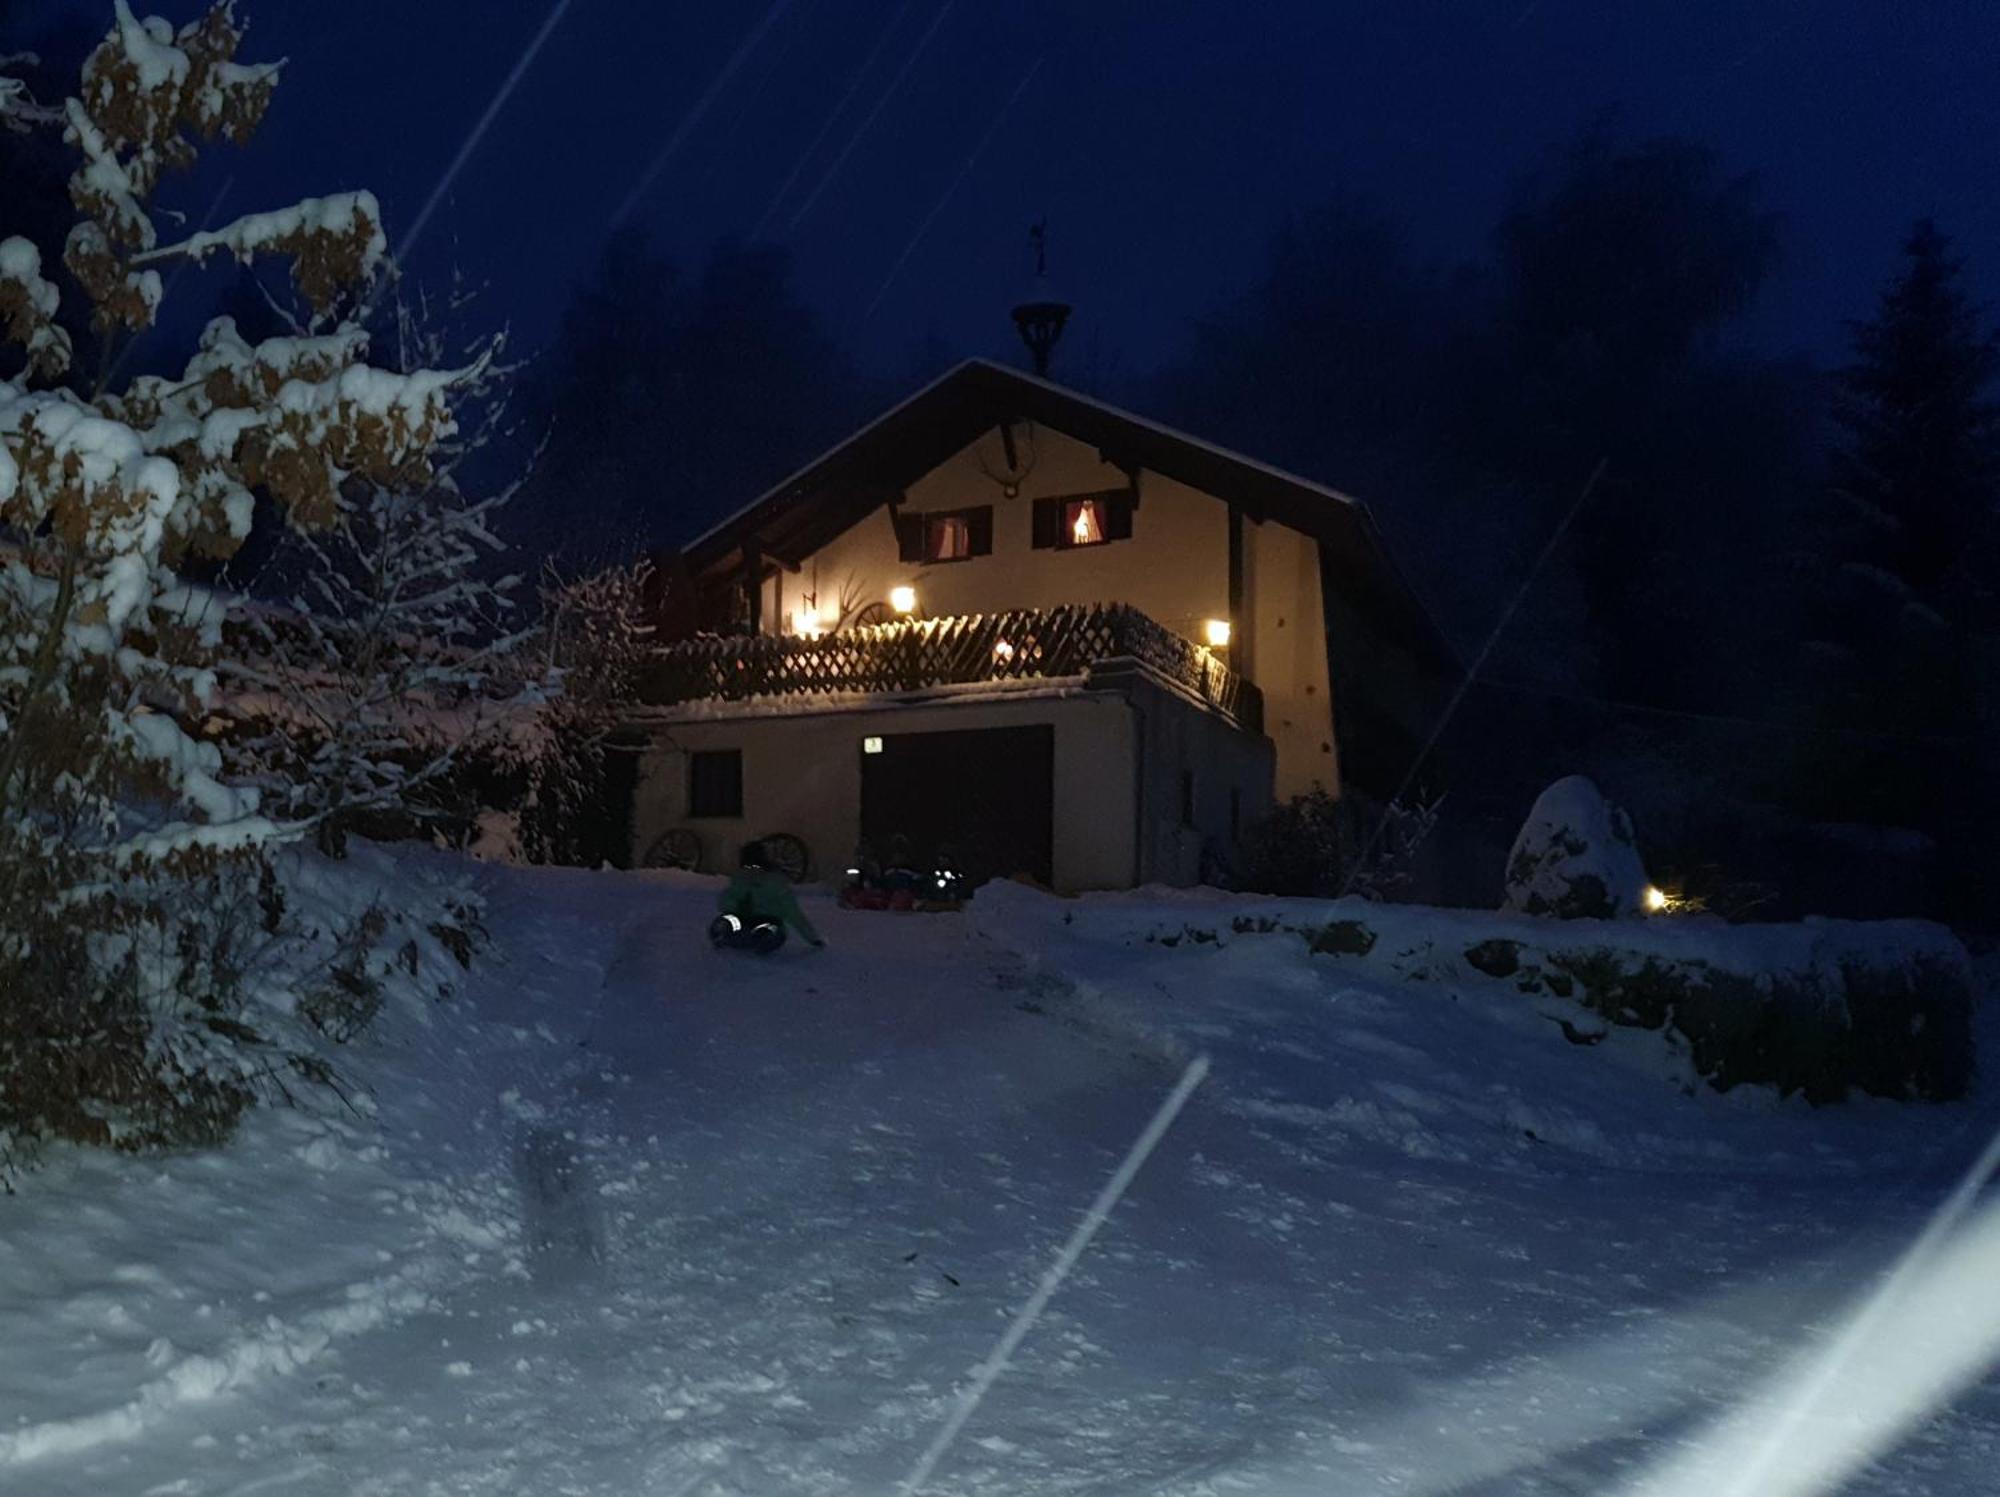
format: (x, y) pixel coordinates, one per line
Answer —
(1906, 598)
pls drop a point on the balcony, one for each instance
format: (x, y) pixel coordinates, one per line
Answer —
(1101, 646)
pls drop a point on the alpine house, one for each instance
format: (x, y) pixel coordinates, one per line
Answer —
(1025, 632)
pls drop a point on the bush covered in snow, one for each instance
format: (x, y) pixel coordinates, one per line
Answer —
(1315, 845)
(1821, 1008)
(593, 641)
(352, 707)
(1576, 857)
(132, 870)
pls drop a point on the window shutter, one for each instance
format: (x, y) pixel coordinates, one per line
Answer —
(979, 531)
(1118, 515)
(909, 537)
(1048, 520)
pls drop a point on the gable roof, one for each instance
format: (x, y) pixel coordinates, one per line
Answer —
(876, 464)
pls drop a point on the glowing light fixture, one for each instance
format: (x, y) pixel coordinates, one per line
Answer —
(903, 599)
(1658, 901)
(1216, 632)
(805, 621)
(871, 745)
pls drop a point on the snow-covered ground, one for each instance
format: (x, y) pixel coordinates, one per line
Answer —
(628, 1217)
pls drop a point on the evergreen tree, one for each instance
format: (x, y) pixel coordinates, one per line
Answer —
(667, 402)
(1906, 597)
(1915, 478)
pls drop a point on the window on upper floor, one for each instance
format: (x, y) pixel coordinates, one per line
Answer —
(945, 535)
(1083, 523)
(1067, 523)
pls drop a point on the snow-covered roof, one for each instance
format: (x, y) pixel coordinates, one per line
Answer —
(801, 513)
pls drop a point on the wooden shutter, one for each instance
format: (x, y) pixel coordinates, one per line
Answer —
(909, 537)
(1117, 510)
(1047, 524)
(979, 531)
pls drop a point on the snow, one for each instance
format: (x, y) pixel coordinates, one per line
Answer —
(628, 1216)
(21, 263)
(148, 46)
(1575, 855)
(812, 704)
(338, 215)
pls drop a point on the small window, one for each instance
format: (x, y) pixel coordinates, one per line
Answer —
(1083, 523)
(947, 538)
(715, 783)
(945, 535)
(1187, 797)
(1065, 524)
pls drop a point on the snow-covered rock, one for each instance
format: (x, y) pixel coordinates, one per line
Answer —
(1575, 857)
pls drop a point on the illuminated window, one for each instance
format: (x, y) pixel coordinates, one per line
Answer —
(1083, 523)
(1066, 522)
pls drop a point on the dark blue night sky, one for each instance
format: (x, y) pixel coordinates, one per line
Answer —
(1164, 142)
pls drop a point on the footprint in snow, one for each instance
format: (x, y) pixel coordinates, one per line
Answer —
(559, 1216)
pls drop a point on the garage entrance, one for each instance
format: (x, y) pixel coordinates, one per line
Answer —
(985, 796)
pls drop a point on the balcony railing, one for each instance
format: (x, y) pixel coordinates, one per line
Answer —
(1098, 642)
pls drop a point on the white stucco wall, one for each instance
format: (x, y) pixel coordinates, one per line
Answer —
(1175, 569)
(1287, 655)
(1119, 757)
(802, 774)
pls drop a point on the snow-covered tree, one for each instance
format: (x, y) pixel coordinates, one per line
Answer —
(355, 702)
(127, 859)
(596, 633)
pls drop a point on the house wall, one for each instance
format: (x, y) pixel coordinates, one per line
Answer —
(1288, 658)
(1175, 569)
(1119, 758)
(1173, 739)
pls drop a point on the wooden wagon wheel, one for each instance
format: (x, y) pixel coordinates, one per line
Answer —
(788, 854)
(874, 613)
(679, 848)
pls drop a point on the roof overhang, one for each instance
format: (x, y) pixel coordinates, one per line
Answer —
(874, 466)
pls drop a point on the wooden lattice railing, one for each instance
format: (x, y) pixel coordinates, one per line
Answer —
(918, 654)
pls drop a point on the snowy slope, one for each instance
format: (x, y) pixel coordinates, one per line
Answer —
(633, 1218)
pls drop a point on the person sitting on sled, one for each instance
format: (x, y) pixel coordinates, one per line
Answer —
(757, 906)
(863, 889)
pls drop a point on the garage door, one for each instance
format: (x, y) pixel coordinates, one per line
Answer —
(985, 796)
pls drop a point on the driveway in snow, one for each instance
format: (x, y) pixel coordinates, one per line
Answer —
(636, 1218)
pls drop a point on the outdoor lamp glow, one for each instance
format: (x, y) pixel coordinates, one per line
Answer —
(903, 599)
(805, 621)
(1216, 631)
(1657, 899)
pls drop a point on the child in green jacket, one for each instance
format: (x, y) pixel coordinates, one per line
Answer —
(757, 906)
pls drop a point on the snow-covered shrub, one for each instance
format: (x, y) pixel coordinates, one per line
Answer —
(1298, 849)
(1821, 1007)
(128, 860)
(350, 707)
(594, 642)
(1315, 845)
(1576, 857)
